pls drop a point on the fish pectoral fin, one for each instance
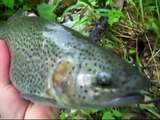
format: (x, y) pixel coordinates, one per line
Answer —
(40, 99)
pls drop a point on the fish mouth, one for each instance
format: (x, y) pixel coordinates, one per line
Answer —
(126, 100)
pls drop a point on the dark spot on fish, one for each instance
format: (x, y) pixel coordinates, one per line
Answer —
(52, 65)
(70, 72)
(86, 64)
(74, 95)
(95, 64)
(98, 59)
(89, 69)
(60, 55)
(83, 50)
(40, 83)
(34, 90)
(89, 53)
(22, 75)
(73, 67)
(72, 38)
(108, 62)
(85, 91)
(83, 97)
(74, 46)
(80, 54)
(54, 60)
(103, 67)
(95, 91)
(56, 55)
(81, 86)
(38, 92)
(46, 58)
(84, 57)
(100, 66)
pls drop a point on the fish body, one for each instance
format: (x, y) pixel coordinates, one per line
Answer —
(57, 66)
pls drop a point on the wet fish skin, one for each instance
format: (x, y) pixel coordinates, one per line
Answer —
(55, 65)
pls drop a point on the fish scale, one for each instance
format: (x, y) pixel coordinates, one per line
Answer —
(55, 65)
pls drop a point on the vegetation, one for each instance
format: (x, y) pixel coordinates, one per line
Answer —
(132, 32)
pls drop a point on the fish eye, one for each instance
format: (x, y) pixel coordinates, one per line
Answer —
(104, 79)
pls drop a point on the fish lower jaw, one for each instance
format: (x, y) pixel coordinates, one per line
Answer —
(127, 100)
(122, 101)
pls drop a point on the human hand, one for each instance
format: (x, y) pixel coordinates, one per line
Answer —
(11, 104)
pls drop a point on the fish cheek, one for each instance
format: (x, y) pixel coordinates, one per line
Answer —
(63, 82)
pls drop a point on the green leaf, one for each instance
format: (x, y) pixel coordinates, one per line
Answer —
(8, 3)
(108, 116)
(101, 10)
(109, 2)
(21, 1)
(150, 108)
(153, 24)
(27, 7)
(108, 43)
(138, 62)
(73, 114)
(79, 5)
(86, 111)
(117, 113)
(156, 29)
(87, 2)
(94, 110)
(114, 16)
(132, 51)
(46, 11)
(112, 20)
(63, 116)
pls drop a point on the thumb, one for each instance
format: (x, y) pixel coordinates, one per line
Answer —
(4, 63)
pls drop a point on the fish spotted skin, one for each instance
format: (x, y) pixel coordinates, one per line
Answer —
(58, 66)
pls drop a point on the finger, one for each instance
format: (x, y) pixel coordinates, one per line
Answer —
(11, 105)
(4, 63)
(36, 110)
(32, 15)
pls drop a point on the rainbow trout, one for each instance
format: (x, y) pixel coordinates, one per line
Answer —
(55, 65)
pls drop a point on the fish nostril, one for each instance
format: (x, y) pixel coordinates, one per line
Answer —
(103, 80)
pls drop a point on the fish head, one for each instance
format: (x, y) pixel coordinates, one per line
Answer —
(116, 87)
